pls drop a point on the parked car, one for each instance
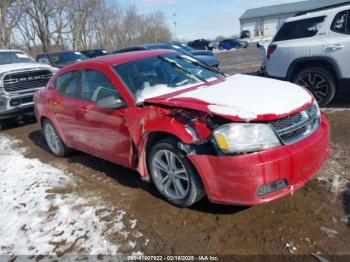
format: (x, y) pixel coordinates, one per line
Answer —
(20, 77)
(214, 44)
(313, 50)
(92, 53)
(245, 34)
(200, 44)
(228, 44)
(241, 140)
(189, 49)
(210, 60)
(263, 45)
(60, 59)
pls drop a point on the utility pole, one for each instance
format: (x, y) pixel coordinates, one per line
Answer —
(175, 23)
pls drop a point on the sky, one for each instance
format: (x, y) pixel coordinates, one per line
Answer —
(202, 18)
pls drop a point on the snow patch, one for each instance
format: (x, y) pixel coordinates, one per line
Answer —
(249, 96)
(158, 90)
(35, 219)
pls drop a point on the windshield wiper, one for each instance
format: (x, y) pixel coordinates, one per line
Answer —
(198, 63)
(176, 65)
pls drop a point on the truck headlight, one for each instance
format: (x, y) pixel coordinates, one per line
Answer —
(244, 138)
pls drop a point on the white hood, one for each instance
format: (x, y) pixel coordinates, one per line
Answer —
(20, 66)
(248, 97)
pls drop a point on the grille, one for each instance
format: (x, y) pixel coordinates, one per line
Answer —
(20, 101)
(26, 80)
(294, 128)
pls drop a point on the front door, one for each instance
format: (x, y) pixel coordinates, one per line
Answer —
(103, 130)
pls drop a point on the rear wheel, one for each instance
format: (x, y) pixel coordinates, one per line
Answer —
(53, 140)
(319, 81)
(173, 174)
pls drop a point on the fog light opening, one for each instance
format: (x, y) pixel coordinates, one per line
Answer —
(273, 187)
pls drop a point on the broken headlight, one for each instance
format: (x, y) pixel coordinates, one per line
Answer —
(245, 138)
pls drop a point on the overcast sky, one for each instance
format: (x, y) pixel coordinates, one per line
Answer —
(202, 18)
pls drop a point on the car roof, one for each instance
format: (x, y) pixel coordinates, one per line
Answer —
(11, 50)
(122, 58)
(326, 12)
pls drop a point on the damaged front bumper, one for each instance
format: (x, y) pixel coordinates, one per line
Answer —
(261, 177)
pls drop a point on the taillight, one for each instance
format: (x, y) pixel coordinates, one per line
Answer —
(270, 50)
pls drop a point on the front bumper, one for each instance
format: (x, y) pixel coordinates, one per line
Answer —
(237, 179)
(9, 110)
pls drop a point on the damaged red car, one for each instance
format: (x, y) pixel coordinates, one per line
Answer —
(192, 131)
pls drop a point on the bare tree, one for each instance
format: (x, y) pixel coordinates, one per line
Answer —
(79, 12)
(40, 12)
(80, 24)
(9, 14)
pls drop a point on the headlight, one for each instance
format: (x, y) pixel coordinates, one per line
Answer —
(244, 138)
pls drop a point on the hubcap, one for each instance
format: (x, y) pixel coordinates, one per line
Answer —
(316, 83)
(52, 138)
(170, 175)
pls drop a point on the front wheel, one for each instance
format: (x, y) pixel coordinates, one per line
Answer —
(173, 174)
(319, 81)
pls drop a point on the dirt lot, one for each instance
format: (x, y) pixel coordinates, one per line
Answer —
(314, 220)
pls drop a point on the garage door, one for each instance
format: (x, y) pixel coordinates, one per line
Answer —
(270, 27)
(249, 26)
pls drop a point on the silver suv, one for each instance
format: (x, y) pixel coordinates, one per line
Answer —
(20, 77)
(313, 50)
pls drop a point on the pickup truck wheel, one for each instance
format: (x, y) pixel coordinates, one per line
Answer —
(319, 81)
(53, 140)
(173, 174)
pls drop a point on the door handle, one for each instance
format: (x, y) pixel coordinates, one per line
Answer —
(335, 47)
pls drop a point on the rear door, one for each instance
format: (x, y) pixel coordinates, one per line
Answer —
(296, 39)
(64, 105)
(338, 43)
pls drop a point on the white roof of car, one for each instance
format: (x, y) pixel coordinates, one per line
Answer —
(326, 12)
(10, 50)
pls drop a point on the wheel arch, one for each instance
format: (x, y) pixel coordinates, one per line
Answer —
(56, 126)
(323, 62)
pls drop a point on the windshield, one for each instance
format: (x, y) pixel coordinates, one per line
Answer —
(14, 58)
(155, 76)
(67, 58)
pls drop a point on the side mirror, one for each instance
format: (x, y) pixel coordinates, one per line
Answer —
(110, 102)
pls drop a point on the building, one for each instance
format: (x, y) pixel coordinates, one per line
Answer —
(265, 21)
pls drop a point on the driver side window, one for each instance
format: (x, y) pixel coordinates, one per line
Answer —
(96, 86)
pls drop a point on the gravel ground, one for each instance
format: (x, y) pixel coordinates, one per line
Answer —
(314, 221)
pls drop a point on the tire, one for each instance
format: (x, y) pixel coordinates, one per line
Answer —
(182, 189)
(319, 81)
(53, 140)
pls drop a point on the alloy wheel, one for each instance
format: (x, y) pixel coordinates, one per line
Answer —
(170, 175)
(316, 83)
(52, 139)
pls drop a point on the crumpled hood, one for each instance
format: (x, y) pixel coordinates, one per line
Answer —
(241, 97)
(20, 66)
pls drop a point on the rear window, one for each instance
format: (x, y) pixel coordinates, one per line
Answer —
(299, 29)
(341, 23)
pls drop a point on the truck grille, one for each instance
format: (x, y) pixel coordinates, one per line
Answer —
(26, 80)
(296, 127)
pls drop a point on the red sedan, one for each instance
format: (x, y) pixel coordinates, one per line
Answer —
(189, 129)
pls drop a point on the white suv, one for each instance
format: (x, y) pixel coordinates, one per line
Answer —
(313, 50)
